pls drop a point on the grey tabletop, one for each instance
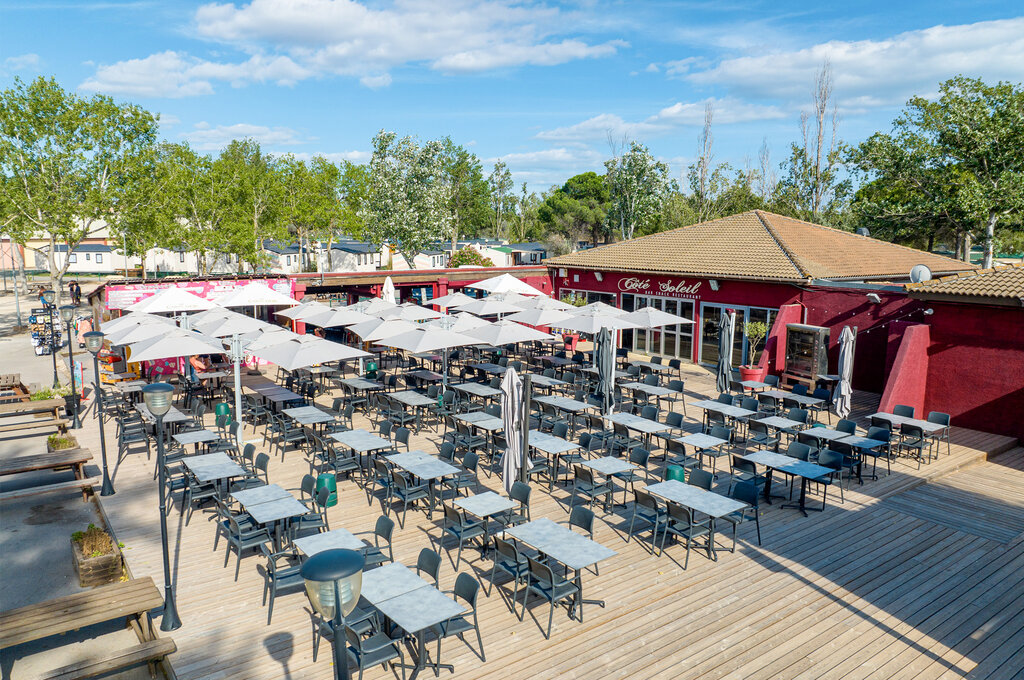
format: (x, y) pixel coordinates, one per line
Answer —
(282, 396)
(801, 399)
(826, 434)
(272, 511)
(424, 374)
(608, 465)
(388, 581)
(546, 381)
(360, 384)
(419, 609)
(754, 384)
(651, 366)
(360, 440)
(556, 361)
(903, 420)
(695, 498)
(172, 416)
(260, 494)
(635, 422)
(786, 464)
(488, 367)
(858, 442)
(423, 465)
(618, 374)
(213, 466)
(565, 403)
(308, 415)
(477, 390)
(329, 540)
(482, 420)
(265, 387)
(485, 504)
(724, 409)
(195, 437)
(547, 443)
(780, 422)
(412, 398)
(209, 375)
(321, 370)
(561, 543)
(702, 441)
(652, 390)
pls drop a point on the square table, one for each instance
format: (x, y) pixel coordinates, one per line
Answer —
(485, 505)
(706, 445)
(801, 399)
(727, 410)
(308, 415)
(422, 465)
(864, 444)
(618, 374)
(555, 447)
(212, 467)
(423, 375)
(565, 404)
(651, 366)
(925, 426)
(321, 370)
(330, 540)
(481, 420)
(780, 423)
(610, 466)
(275, 512)
(478, 390)
(388, 581)
(635, 422)
(546, 381)
(195, 437)
(791, 466)
(412, 398)
(754, 385)
(699, 500)
(556, 361)
(649, 390)
(282, 397)
(488, 367)
(360, 384)
(260, 494)
(361, 441)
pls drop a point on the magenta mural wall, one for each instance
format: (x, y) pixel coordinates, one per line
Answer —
(122, 296)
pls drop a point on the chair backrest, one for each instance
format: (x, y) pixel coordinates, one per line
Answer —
(911, 431)
(447, 451)
(846, 425)
(651, 379)
(744, 492)
(674, 419)
(506, 549)
(800, 389)
(880, 434)
(452, 516)
(402, 435)
(801, 415)
(674, 447)
(323, 494)
(772, 380)
(433, 391)
(766, 402)
(248, 451)
(539, 571)
(470, 461)
(521, 493)
(221, 421)
(467, 588)
(680, 514)
(495, 382)
(560, 430)
(639, 456)
(743, 465)
(583, 474)
(645, 500)
(830, 459)
(939, 418)
(633, 370)
(749, 403)
(822, 393)
(586, 440)
(881, 422)
(307, 487)
(806, 438)
(384, 528)
(650, 412)
(620, 430)
(724, 398)
(262, 463)
(756, 426)
(384, 428)
(493, 410)
(675, 363)
(700, 478)
(429, 562)
(798, 451)
(721, 432)
(903, 410)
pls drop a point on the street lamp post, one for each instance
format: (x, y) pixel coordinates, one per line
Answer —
(94, 343)
(158, 401)
(67, 313)
(48, 297)
(334, 579)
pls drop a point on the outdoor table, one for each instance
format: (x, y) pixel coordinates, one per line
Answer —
(196, 437)
(566, 404)
(130, 386)
(282, 397)
(651, 366)
(485, 505)
(618, 374)
(863, 444)
(260, 494)
(308, 415)
(275, 511)
(360, 384)
(705, 445)
(415, 400)
(329, 540)
(487, 367)
(727, 410)
(896, 420)
(484, 421)
(172, 416)
(422, 375)
(649, 390)
(780, 423)
(213, 467)
(415, 612)
(265, 387)
(554, 447)
(610, 466)
(361, 441)
(478, 390)
(802, 469)
(211, 375)
(545, 381)
(320, 372)
(432, 357)
(563, 545)
(699, 500)
(388, 581)
(754, 385)
(423, 466)
(556, 361)
(642, 425)
(801, 399)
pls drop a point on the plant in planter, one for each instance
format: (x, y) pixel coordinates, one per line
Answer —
(756, 331)
(97, 558)
(58, 442)
(50, 393)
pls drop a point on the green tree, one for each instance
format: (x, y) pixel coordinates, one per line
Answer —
(578, 208)
(200, 194)
(638, 185)
(524, 223)
(469, 256)
(955, 163)
(501, 186)
(466, 189)
(406, 203)
(352, 186)
(312, 205)
(145, 216)
(256, 200)
(69, 160)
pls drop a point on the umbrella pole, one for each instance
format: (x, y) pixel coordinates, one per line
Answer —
(236, 358)
(444, 371)
(524, 464)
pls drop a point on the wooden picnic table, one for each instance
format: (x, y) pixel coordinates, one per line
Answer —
(67, 459)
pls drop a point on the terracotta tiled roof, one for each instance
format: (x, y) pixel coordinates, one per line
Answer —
(761, 245)
(999, 283)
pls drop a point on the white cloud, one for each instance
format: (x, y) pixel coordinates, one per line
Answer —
(204, 137)
(169, 120)
(290, 41)
(21, 62)
(727, 110)
(870, 73)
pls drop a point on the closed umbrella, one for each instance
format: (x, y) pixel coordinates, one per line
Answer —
(506, 333)
(726, 328)
(511, 418)
(506, 283)
(842, 396)
(172, 300)
(387, 292)
(174, 343)
(604, 357)
(294, 354)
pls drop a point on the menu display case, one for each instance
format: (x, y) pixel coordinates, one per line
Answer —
(806, 353)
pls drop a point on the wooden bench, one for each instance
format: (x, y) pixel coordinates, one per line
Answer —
(131, 600)
(68, 459)
(46, 411)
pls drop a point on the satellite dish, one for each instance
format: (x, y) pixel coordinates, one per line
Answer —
(920, 273)
(863, 231)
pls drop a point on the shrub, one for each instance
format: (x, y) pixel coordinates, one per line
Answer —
(60, 441)
(94, 541)
(470, 256)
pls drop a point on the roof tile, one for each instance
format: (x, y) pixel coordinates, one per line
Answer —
(1005, 282)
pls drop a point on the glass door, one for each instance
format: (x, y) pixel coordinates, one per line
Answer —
(666, 341)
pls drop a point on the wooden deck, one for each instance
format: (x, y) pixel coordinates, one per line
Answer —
(906, 579)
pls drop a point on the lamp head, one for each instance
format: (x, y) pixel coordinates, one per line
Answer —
(93, 341)
(158, 398)
(48, 296)
(67, 312)
(333, 571)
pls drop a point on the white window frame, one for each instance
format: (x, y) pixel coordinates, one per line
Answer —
(746, 309)
(99, 258)
(72, 258)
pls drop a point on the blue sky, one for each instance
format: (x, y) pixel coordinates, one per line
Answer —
(540, 85)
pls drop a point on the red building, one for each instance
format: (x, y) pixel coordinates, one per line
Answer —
(779, 270)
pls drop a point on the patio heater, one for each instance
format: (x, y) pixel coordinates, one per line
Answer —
(67, 314)
(94, 343)
(334, 579)
(158, 401)
(48, 296)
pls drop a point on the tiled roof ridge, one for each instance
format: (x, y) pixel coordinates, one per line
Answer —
(967, 274)
(782, 246)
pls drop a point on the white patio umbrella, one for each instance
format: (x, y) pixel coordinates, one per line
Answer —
(293, 354)
(211, 313)
(460, 322)
(593, 320)
(545, 303)
(600, 307)
(387, 291)
(127, 335)
(376, 329)
(540, 317)
(172, 300)
(842, 396)
(174, 343)
(426, 339)
(255, 294)
(410, 312)
(506, 283)
(302, 310)
(511, 417)
(506, 333)
(489, 306)
(271, 336)
(652, 317)
(451, 300)
(371, 306)
(332, 318)
(133, 319)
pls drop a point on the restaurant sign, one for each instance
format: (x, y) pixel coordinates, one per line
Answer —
(122, 296)
(639, 285)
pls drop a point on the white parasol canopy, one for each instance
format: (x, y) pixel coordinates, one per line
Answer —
(651, 317)
(387, 291)
(172, 300)
(376, 329)
(234, 324)
(269, 337)
(451, 300)
(506, 333)
(423, 339)
(293, 354)
(490, 305)
(460, 322)
(540, 317)
(255, 294)
(545, 303)
(371, 306)
(600, 307)
(300, 311)
(506, 283)
(174, 343)
(594, 320)
(410, 312)
(330, 318)
(127, 335)
(133, 319)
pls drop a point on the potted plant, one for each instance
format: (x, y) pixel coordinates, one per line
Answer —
(97, 558)
(756, 331)
(60, 442)
(62, 392)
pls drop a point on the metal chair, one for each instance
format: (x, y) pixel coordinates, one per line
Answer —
(281, 573)
(508, 560)
(744, 492)
(554, 590)
(457, 525)
(429, 562)
(466, 589)
(681, 525)
(647, 509)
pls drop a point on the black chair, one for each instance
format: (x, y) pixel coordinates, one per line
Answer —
(914, 441)
(700, 478)
(457, 525)
(744, 492)
(638, 457)
(833, 460)
(903, 410)
(742, 471)
(826, 396)
(383, 530)
(555, 590)
(241, 539)
(407, 492)
(467, 477)
(583, 483)
(520, 493)
(429, 562)
(759, 436)
(681, 525)
(508, 560)
(376, 650)
(847, 426)
(647, 509)
(466, 589)
(940, 418)
(281, 574)
(880, 434)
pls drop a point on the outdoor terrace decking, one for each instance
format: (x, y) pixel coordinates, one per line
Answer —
(904, 580)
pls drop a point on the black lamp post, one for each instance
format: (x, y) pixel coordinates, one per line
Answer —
(48, 297)
(334, 579)
(94, 343)
(158, 401)
(67, 313)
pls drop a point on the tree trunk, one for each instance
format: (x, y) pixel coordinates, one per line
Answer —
(967, 246)
(990, 239)
(19, 276)
(931, 241)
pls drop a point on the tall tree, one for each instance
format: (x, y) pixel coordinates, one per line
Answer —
(201, 197)
(312, 206)
(638, 185)
(578, 208)
(708, 182)
(352, 186)
(466, 189)
(956, 163)
(406, 203)
(69, 159)
(256, 199)
(145, 216)
(501, 186)
(523, 222)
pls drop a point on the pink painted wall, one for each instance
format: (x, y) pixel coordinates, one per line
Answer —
(908, 376)
(774, 355)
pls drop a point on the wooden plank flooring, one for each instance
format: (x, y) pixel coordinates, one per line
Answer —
(915, 575)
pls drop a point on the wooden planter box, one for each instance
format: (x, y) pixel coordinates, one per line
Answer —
(96, 571)
(74, 445)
